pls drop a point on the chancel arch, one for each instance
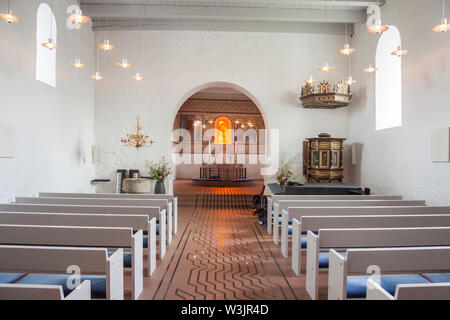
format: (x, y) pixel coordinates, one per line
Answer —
(230, 126)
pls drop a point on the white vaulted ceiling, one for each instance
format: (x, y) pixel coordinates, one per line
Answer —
(326, 16)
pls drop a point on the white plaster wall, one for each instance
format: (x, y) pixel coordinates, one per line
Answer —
(398, 160)
(270, 67)
(54, 125)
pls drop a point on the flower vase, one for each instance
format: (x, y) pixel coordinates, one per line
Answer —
(159, 187)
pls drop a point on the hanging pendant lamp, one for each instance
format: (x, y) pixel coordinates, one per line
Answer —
(399, 52)
(371, 69)
(106, 46)
(310, 80)
(78, 17)
(124, 65)
(9, 17)
(378, 28)
(326, 68)
(77, 64)
(444, 26)
(346, 51)
(138, 77)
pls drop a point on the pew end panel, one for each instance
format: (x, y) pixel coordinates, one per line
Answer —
(19, 291)
(284, 233)
(275, 227)
(169, 223)
(296, 247)
(337, 276)
(151, 247)
(82, 292)
(376, 292)
(269, 215)
(114, 271)
(312, 265)
(175, 215)
(137, 264)
(162, 234)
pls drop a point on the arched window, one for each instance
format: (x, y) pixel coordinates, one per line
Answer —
(45, 58)
(388, 81)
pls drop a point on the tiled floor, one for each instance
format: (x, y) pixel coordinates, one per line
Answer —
(220, 252)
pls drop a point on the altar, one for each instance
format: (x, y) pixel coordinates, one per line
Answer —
(228, 172)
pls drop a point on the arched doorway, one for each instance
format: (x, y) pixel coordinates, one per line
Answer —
(222, 125)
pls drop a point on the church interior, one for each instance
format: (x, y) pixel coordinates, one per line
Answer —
(224, 150)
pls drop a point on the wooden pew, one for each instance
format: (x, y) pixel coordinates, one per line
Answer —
(425, 291)
(275, 198)
(163, 204)
(298, 212)
(136, 222)
(344, 270)
(169, 197)
(341, 239)
(44, 292)
(151, 212)
(35, 260)
(69, 236)
(315, 223)
(285, 205)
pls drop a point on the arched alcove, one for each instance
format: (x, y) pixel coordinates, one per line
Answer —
(45, 58)
(388, 90)
(221, 120)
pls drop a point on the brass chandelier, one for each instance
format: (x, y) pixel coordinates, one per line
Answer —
(137, 139)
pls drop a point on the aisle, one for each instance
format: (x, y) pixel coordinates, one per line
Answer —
(222, 254)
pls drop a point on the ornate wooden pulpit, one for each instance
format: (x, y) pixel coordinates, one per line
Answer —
(323, 159)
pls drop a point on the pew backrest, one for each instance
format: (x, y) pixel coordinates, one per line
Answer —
(105, 195)
(275, 198)
(151, 212)
(19, 291)
(419, 291)
(357, 261)
(367, 238)
(298, 212)
(92, 261)
(287, 204)
(169, 197)
(163, 204)
(136, 222)
(71, 236)
(315, 223)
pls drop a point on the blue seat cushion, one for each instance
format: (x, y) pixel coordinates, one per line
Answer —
(145, 238)
(127, 259)
(438, 277)
(280, 221)
(98, 283)
(145, 231)
(6, 278)
(303, 242)
(324, 258)
(357, 285)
